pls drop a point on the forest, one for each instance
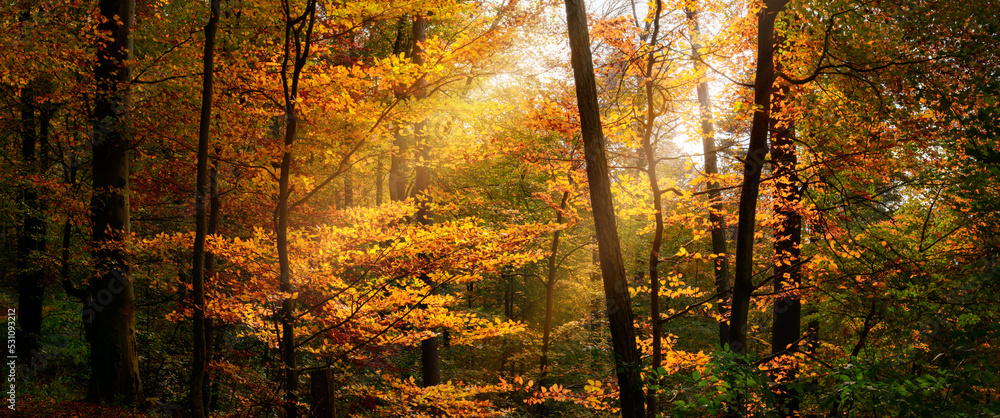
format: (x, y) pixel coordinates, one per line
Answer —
(500, 208)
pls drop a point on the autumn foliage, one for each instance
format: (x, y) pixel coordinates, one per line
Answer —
(435, 187)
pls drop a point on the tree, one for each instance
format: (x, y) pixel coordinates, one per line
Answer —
(200, 357)
(787, 278)
(109, 317)
(430, 360)
(32, 240)
(297, 41)
(550, 284)
(649, 150)
(718, 221)
(743, 285)
(619, 306)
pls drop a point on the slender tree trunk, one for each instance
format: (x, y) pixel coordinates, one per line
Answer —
(210, 386)
(469, 292)
(109, 314)
(69, 177)
(649, 150)
(400, 147)
(786, 327)
(287, 317)
(200, 357)
(430, 359)
(32, 241)
(743, 285)
(298, 34)
(550, 284)
(619, 306)
(32, 238)
(870, 322)
(718, 221)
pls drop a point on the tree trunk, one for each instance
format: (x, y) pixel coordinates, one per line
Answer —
(32, 241)
(69, 177)
(743, 286)
(298, 33)
(619, 307)
(211, 386)
(200, 357)
(786, 328)
(654, 187)
(109, 314)
(397, 156)
(550, 285)
(719, 246)
(321, 391)
(596, 312)
(430, 359)
(287, 317)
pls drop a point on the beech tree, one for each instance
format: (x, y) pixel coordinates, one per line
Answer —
(720, 246)
(201, 331)
(109, 314)
(743, 286)
(32, 241)
(786, 327)
(297, 41)
(619, 306)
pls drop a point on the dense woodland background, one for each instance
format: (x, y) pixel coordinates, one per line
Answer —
(359, 208)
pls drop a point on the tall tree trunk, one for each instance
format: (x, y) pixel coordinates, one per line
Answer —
(30, 278)
(69, 177)
(200, 357)
(109, 314)
(397, 156)
(550, 284)
(719, 246)
(619, 306)
(743, 286)
(430, 359)
(298, 39)
(210, 386)
(786, 327)
(287, 317)
(654, 187)
(32, 240)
